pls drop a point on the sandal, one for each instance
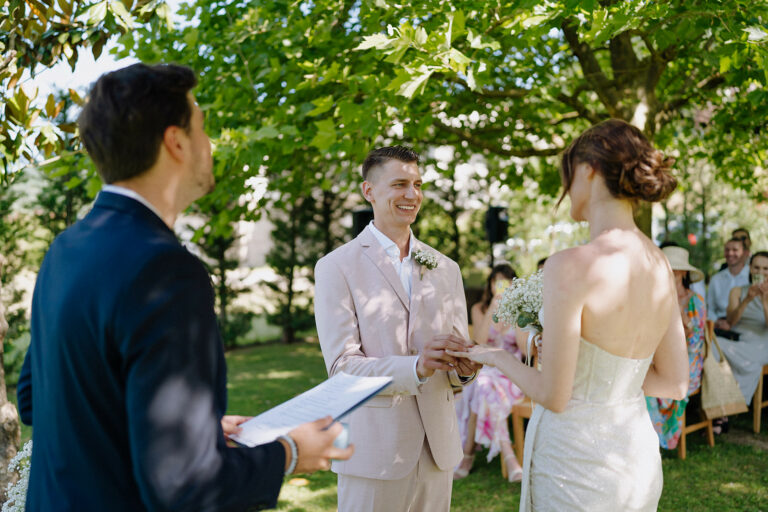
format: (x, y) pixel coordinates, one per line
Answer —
(720, 425)
(464, 467)
(516, 475)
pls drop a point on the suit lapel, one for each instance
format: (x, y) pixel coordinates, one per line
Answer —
(418, 284)
(373, 250)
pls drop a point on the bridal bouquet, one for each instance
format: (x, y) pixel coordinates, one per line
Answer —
(520, 305)
(521, 302)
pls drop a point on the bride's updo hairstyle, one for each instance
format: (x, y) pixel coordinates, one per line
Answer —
(629, 164)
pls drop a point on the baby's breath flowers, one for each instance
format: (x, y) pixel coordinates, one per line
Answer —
(427, 260)
(521, 302)
(17, 493)
(520, 305)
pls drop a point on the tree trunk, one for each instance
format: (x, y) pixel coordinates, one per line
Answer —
(10, 432)
(289, 333)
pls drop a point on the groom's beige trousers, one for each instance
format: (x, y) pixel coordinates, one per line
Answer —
(425, 489)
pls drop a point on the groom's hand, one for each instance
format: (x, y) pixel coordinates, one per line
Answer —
(463, 367)
(433, 356)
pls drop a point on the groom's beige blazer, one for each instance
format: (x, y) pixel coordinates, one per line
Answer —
(368, 326)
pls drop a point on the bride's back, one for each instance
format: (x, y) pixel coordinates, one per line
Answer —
(628, 290)
(623, 281)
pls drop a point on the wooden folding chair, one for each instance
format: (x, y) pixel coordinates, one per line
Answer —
(687, 429)
(759, 401)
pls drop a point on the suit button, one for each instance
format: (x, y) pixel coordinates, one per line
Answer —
(414, 351)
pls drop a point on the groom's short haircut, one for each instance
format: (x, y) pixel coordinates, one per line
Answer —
(126, 115)
(383, 155)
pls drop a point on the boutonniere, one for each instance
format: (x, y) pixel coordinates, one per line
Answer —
(427, 260)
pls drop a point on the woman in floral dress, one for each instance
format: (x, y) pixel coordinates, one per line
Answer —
(485, 405)
(667, 414)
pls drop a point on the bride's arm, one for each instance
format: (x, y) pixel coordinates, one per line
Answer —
(668, 375)
(563, 303)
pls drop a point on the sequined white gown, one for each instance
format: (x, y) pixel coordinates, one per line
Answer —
(601, 453)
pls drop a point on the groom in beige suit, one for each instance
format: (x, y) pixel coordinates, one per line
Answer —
(381, 312)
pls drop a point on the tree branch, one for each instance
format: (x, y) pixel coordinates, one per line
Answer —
(486, 93)
(495, 148)
(579, 107)
(704, 85)
(591, 69)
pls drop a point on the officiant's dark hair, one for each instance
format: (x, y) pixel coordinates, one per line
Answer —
(380, 156)
(126, 115)
(631, 167)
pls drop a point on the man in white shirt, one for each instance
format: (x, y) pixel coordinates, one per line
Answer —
(721, 284)
(388, 304)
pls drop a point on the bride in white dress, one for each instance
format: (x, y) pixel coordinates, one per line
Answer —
(612, 334)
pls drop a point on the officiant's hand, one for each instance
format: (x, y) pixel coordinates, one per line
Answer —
(314, 442)
(230, 424)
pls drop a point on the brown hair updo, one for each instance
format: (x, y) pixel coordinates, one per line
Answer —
(629, 164)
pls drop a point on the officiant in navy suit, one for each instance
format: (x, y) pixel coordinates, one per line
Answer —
(125, 378)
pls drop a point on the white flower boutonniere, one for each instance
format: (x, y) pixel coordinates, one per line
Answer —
(427, 260)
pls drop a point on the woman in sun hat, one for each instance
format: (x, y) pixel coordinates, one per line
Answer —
(667, 414)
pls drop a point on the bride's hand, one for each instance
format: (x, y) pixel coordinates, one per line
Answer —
(482, 354)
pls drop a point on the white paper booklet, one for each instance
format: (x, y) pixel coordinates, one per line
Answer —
(335, 397)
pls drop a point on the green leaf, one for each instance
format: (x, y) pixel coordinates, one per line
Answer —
(457, 25)
(417, 84)
(73, 182)
(122, 17)
(96, 13)
(725, 63)
(378, 41)
(322, 105)
(325, 136)
(266, 132)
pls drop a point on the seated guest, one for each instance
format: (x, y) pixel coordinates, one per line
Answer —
(743, 235)
(747, 315)
(486, 404)
(667, 414)
(721, 284)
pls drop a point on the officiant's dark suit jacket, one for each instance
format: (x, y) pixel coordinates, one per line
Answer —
(125, 378)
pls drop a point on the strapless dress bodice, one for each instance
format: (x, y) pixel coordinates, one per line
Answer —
(602, 377)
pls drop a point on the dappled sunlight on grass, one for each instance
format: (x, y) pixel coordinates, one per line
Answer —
(729, 476)
(284, 374)
(318, 494)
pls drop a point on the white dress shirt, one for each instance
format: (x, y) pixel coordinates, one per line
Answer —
(720, 287)
(115, 189)
(403, 269)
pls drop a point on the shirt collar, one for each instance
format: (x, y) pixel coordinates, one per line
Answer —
(388, 245)
(116, 189)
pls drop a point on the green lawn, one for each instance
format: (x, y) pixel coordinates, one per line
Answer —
(732, 476)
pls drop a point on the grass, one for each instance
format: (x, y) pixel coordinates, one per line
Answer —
(732, 476)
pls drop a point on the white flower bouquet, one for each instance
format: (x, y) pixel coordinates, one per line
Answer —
(520, 305)
(521, 302)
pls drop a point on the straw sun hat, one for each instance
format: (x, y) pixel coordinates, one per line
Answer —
(678, 259)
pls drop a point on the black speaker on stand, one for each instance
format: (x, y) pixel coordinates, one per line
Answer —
(496, 226)
(361, 217)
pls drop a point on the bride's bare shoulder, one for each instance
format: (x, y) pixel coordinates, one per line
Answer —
(571, 266)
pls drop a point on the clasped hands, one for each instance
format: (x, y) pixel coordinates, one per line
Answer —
(760, 290)
(445, 352)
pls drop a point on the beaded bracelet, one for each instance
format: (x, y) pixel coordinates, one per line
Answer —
(294, 454)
